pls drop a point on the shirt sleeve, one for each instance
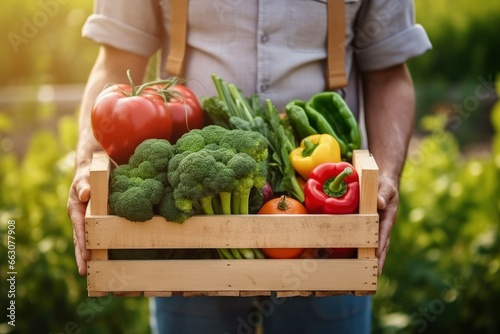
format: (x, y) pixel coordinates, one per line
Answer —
(130, 25)
(386, 34)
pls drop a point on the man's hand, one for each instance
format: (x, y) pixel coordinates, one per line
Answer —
(389, 112)
(387, 205)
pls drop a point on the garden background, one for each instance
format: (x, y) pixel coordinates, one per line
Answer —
(442, 273)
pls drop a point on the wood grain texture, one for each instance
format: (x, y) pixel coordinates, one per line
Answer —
(233, 275)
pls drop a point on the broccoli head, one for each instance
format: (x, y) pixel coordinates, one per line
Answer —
(137, 188)
(195, 170)
(137, 202)
(250, 142)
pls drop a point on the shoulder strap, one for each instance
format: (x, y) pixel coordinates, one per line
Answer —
(335, 70)
(178, 37)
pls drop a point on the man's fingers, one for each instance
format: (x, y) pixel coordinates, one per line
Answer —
(381, 203)
(77, 205)
(387, 205)
(80, 261)
(84, 193)
(381, 260)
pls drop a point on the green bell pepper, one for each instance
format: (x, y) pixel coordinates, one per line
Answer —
(332, 115)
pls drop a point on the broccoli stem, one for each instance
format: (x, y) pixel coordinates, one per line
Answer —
(216, 205)
(225, 198)
(244, 200)
(240, 203)
(236, 253)
(206, 204)
(224, 253)
(235, 204)
(247, 253)
(258, 253)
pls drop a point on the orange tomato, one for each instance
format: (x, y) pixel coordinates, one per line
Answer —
(283, 205)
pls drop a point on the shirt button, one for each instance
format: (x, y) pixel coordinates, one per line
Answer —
(264, 38)
(264, 87)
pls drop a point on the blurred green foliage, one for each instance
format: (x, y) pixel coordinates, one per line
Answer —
(464, 38)
(442, 272)
(465, 54)
(42, 42)
(50, 295)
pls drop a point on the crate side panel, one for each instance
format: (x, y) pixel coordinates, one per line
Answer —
(251, 231)
(232, 275)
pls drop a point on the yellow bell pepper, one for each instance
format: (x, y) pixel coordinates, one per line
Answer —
(313, 151)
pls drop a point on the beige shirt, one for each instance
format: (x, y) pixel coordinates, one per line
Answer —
(273, 48)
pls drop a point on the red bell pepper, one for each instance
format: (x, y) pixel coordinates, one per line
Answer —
(332, 188)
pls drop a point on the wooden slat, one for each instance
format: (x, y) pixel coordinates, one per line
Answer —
(368, 175)
(367, 170)
(99, 178)
(232, 275)
(98, 205)
(250, 231)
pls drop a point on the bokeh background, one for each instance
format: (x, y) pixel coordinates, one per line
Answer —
(442, 274)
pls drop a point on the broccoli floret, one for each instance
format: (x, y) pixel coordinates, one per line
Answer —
(154, 188)
(213, 134)
(169, 211)
(221, 182)
(260, 176)
(137, 188)
(133, 204)
(250, 142)
(146, 170)
(244, 168)
(156, 152)
(220, 153)
(173, 166)
(191, 141)
(195, 173)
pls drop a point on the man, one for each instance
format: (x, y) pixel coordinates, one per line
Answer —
(276, 49)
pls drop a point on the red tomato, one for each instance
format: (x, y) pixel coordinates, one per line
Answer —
(283, 253)
(121, 121)
(283, 205)
(186, 110)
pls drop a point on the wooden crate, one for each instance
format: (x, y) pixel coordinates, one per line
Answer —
(220, 277)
